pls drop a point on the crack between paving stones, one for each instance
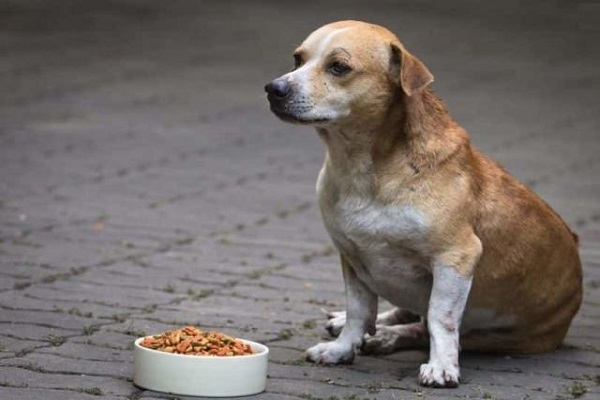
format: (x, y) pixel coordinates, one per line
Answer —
(184, 323)
(42, 325)
(143, 168)
(80, 270)
(70, 357)
(59, 389)
(176, 323)
(50, 227)
(86, 301)
(198, 281)
(48, 339)
(295, 278)
(161, 248)
(36, 368)
(359, 387)
(144, 312)
(298, 209)
(90, 342)
(295, 395)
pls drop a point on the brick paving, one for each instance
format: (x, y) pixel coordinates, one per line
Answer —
(144, 185)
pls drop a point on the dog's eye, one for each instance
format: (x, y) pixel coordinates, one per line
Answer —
(297, 60)
(338, 69)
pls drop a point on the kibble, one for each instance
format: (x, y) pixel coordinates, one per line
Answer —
(195, 342)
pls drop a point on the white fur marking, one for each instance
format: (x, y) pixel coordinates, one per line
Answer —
(446, 306)
(303, 77)
(303, 74)
(382, 240)
(361, 305)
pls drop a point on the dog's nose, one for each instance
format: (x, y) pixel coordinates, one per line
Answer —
(279, 88)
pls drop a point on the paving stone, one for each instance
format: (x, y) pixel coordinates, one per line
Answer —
(13, 344)
(64, 365)
(33, 332)
(9, 300)
(84, 351)
(19, 393)
(24, 378)
(117, 337)
(64, 321)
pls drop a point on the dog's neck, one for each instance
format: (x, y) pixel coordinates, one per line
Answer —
(426, 134)
(412, 134)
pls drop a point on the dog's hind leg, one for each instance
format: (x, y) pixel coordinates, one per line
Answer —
(390, 338)
(395, 316)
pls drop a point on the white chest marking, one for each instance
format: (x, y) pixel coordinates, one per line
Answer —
(380, 243)
(368, 228)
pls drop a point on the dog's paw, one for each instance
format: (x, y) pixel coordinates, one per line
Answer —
(330, 353)
(438, 375)
(382, 342)
(388, 339)
(336, 322)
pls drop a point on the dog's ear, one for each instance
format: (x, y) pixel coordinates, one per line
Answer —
(408, 71)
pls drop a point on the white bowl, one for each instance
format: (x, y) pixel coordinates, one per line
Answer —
(210, 376)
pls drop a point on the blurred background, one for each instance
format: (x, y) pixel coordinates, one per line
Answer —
(133, 80)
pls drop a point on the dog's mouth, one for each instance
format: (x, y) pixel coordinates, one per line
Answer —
(296, 109)
(296, 119)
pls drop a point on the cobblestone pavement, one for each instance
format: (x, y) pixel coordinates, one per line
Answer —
(144, 184)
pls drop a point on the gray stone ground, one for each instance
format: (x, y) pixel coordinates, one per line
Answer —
(144, 184)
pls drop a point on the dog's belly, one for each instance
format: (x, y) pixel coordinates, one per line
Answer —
(396, 275)
(404, 279)
(481, 319)
(380, 244)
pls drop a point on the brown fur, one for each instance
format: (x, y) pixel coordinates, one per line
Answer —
(529, 265)
(523, 257)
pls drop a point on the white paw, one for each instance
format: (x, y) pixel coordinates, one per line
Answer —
(330, 353)
(438, 375)
(336, 322)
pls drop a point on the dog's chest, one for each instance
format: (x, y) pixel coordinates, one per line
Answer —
(384, 239)
(369, 225)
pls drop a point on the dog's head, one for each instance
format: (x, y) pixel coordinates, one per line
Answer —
(346, 72)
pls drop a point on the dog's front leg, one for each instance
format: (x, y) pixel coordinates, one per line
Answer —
(361, 311)
(451, 286)
(446, 305)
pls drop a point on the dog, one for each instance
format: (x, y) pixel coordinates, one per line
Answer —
(469, 257)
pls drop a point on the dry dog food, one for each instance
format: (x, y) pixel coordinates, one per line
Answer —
(195, 342)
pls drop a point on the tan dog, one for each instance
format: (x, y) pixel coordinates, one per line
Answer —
(419, 216)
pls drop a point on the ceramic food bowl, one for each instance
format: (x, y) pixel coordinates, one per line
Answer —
(192, 375)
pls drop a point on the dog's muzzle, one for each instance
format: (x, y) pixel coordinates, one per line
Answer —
(289, 104)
